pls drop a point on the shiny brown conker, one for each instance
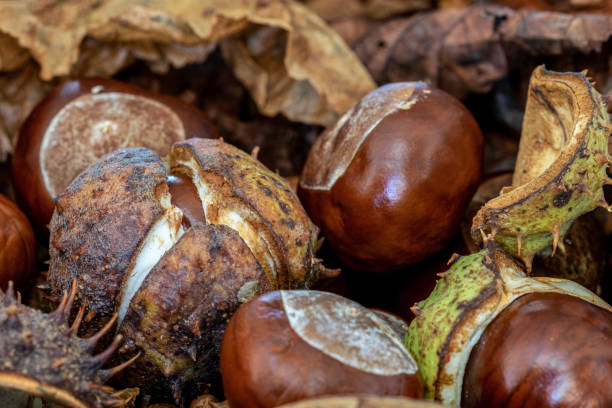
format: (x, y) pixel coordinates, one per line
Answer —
(287, 346)
(83, 119)
(17, 247)
(388, 183)
(543, 350)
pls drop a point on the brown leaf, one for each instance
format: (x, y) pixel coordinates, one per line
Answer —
(566, 6)
(290, 61)
(20, 91)
(208, 401)
(467, 50)
(458, 50)
(126, 398)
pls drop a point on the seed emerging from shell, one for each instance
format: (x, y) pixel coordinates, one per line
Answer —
(174, 247)
(480, 289)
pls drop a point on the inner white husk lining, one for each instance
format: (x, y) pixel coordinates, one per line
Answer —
(164, 234)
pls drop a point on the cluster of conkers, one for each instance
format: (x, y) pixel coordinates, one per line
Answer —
(200, 258)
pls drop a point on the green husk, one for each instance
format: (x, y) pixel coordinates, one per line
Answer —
(465, 300)
(561, 167)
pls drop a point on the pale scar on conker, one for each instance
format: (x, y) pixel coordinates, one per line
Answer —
(174, 246)
(312, 344)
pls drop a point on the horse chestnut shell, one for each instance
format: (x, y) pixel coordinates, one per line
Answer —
(80, 121)
(582, 257)
(173, 248)
(17, 247)
(286, 346)
(389, 182)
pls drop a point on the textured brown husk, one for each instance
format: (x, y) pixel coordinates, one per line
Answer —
(43, 359)
(200, 281)
(244, 182)
(89, 229)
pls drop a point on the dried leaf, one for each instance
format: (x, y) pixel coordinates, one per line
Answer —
(126, 398)
(20, 91)
(12, 56)
(377, 9)
(550, 33)
(467, 50)
(208, 401)
(458, 50)
(289, 59)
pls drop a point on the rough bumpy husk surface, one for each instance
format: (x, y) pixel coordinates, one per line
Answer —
(202, 280)
(561, 166)
(43, 358)
(98, 226)
(235, 181)
(475, 290)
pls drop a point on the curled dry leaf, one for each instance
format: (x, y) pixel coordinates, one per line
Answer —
(20, 91)
(466, 50)
(458, 50)
(208, 401)
(291, 62)
(378, 9)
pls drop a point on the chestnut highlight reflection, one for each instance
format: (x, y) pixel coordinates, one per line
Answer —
(544, 350)
(185, 196)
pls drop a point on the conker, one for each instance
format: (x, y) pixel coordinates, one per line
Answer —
(80, 121)
(17, 247)
(388, 183)
(286, 346)
(544, 350)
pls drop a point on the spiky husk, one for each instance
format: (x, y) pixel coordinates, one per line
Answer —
(465, 300)
(43, 358)
(561, 166)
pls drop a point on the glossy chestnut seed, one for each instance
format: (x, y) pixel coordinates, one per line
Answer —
(543, 350)
(286, 346)
(185, 196)
(17, 247)
(389, 182)
(80, 121)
